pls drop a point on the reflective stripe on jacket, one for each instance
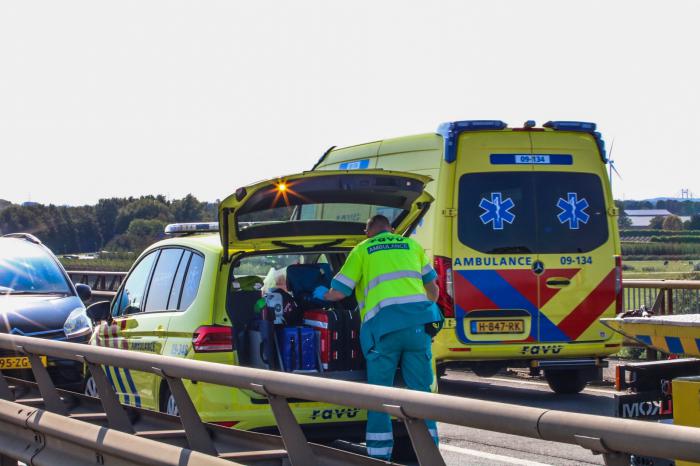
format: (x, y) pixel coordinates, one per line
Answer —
(388, 271)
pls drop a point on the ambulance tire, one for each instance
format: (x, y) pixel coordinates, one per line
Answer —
(565, 382)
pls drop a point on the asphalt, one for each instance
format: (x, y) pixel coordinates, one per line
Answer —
(466, 446)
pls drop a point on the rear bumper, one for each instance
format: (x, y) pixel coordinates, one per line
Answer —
(446, 349)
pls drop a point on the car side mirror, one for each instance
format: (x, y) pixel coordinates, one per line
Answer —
(99, 311)
(84, 291)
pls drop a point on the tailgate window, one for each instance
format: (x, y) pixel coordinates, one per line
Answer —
(571, 212)
(496, 212)
(531, 212)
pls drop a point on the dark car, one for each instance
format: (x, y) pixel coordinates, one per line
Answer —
(37, 299)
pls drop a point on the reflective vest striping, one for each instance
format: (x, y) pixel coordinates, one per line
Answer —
(385, 270)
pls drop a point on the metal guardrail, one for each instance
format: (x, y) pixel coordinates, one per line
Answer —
(614, 438)
(664, 296)
(103, 284)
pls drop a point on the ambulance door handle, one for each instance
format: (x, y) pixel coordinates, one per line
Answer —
(558, 282)
(160, 330)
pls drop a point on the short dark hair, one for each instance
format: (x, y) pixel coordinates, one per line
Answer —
(379, 221)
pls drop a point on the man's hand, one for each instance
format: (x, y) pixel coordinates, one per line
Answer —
(432, 290)
(324, 294)
(320, 293)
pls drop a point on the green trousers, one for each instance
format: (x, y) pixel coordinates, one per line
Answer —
(410, 348)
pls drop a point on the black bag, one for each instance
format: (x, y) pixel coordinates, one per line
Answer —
(356, 360)
(303, 279)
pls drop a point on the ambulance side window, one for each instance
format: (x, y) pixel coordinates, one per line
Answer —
(191, 284)
(174, 299)
(131, 297)
(162, 280)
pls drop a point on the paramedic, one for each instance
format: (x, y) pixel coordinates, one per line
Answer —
(396, 290)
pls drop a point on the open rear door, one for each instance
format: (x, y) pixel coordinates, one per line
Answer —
(319, 209)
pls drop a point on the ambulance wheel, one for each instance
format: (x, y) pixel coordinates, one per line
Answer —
(565, 382)
(167, 402)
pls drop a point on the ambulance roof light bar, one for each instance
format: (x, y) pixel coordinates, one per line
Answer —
(451, 130)
(582, 127)
(191, 228)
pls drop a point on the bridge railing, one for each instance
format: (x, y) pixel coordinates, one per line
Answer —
(663, 296)
(615, 438)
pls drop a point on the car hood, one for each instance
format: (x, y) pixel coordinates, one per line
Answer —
(39, 316)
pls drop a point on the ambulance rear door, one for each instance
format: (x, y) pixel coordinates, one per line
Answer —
(576, 249)
(494, 239)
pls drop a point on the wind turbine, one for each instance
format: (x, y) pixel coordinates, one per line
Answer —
(611, 163)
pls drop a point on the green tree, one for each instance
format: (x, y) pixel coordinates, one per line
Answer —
(657, 223)
(145, 208)
(624, 221)
(693, 223)
(187, 209)
(106, 212)
(672, 222)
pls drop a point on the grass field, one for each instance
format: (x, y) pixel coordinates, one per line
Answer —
(658, 269)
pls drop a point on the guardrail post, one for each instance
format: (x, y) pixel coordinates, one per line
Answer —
(116, 416)
(197, 434)
(295, 442)
(52, 400)
(423, 444)
(669, 301)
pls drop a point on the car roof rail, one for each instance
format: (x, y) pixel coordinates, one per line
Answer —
(26, 236)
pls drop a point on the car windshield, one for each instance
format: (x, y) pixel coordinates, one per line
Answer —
(26, 268)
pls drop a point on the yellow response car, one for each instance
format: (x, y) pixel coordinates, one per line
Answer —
(524, 239)
(194, 296)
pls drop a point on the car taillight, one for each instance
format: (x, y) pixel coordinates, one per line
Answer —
(443, 267)
(210, 338)
(618, 284)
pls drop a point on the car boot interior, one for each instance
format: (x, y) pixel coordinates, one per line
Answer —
(278, 325)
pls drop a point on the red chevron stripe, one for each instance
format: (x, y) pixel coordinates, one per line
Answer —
(524, 281)
(590, 309)
(469, 297)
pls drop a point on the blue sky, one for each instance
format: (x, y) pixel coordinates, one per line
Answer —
(127, 98)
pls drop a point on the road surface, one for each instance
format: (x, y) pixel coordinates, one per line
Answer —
(465, 446)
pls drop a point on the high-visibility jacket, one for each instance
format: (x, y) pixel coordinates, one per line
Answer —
(388, 273)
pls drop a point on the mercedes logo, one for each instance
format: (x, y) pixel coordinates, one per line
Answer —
(538, 267)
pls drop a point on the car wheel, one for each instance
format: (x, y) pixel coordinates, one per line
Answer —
(167, 403)
(91, 388)
(565, 382)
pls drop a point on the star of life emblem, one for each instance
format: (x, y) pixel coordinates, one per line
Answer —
(497, 211)
(573, 211)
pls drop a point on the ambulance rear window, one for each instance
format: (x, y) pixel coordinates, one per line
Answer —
(532, 212)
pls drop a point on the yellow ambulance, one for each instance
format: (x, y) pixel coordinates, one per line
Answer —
(524, 238)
